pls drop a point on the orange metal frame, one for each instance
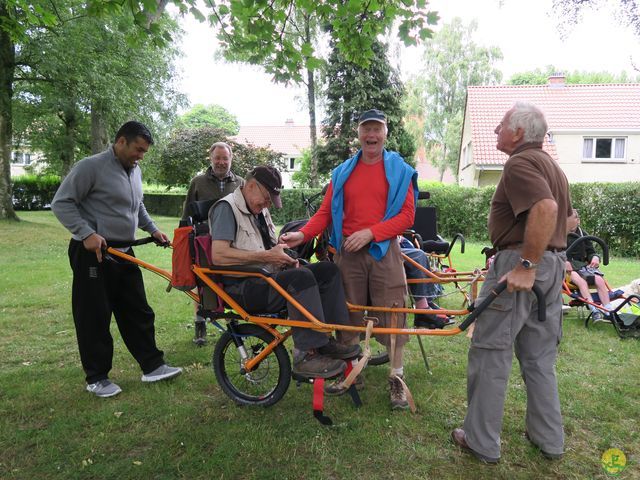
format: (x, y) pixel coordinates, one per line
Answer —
(270, 323)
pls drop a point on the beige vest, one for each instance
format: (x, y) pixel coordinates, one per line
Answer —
(247, 232)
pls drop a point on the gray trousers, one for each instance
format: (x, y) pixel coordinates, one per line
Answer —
(317, 287)
(511, 320)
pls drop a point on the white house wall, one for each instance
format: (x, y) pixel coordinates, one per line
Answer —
(569, 148)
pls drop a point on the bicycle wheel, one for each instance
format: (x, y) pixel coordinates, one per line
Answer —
(267, 383)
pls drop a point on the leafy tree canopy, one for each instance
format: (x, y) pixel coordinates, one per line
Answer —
(186, 154)
(209, 116)
(267, 33)
(352, 90)
(540, 76)
(452, 62)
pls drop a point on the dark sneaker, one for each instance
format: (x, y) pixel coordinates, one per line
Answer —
(200, 337)
(163, 372)
(397, 394)
(335, 387)
(334, 349)
(104, 388)
(423, 320)
(314, 365)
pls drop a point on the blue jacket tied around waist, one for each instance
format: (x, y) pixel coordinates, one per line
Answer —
(398, 173)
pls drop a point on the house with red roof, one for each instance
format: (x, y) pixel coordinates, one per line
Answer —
(594, 130)
(290, 140)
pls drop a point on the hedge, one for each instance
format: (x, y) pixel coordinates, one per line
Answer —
(34, 192)
(607, 210)
(610, 211)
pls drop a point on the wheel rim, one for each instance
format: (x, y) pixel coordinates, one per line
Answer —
(257, 384)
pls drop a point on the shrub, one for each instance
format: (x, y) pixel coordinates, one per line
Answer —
(34, 192)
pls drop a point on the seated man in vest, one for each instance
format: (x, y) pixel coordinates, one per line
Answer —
(243, 234)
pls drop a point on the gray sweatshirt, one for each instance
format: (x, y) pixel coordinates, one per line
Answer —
(100, 196)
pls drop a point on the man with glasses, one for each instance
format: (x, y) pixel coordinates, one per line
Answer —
(243, 233)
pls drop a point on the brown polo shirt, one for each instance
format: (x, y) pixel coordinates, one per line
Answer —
(529, 175)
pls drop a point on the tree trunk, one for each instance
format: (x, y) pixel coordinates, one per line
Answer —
(311, 95)
(311, 98)
(99, 140)
(67, 155)
(7, 69)
(443, 165)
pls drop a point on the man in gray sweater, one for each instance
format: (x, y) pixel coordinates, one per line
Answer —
(101, 201)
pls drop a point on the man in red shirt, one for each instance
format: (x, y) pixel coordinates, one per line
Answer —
(371, 199)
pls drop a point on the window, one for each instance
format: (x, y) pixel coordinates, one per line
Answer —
(20, 158)
(603, 148)
(292, 163)
(466, 155)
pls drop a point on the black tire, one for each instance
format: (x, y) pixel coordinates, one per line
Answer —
(267, 383)
(379, 355)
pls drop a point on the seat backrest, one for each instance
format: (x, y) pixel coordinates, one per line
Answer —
(200, 210)
(425, 223)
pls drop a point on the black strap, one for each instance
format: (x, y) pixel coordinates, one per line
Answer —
(264, 231)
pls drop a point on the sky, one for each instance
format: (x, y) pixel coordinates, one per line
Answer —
(525, 31)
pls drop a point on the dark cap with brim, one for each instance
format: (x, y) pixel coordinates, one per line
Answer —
(270, 179)
(372, 115)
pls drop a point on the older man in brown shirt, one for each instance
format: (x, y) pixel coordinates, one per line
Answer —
(527, 226)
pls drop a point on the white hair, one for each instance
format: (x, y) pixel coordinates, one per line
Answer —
(530, 118)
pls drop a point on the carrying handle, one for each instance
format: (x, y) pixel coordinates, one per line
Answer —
(574, 246)
(499, 288)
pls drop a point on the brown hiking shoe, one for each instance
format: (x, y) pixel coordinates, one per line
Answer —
(314, 365)
(334, 349)
(335, 387)
(397, 394)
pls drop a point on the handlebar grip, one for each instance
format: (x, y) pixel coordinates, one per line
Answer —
(599, 241)
(499, 288)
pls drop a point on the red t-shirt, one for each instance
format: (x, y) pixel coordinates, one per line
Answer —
(365, 202)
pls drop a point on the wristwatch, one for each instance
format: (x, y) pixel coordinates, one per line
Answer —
(527, 264)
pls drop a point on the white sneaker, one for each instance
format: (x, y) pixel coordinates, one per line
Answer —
(104, 388)
(163, 372)
(565, 309)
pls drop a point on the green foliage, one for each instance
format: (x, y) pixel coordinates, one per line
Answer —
(272, 33)
(293, 207)
(169, 204)
(158, 430)
(610, 211)
(209, 116)
(541, 76)
(186, 154)
(304, 177)
(607, 210)
(90, 70)
(452, 62)
(352, 90)
(34, 192)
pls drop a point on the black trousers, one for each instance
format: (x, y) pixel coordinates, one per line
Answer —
(317, 287)
(100, 290)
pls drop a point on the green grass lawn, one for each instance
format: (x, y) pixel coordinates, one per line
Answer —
(187, 428)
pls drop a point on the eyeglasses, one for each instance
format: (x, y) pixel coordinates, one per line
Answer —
(264, 191)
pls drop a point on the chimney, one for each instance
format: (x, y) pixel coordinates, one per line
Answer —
(557, 80)
(289, 122)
